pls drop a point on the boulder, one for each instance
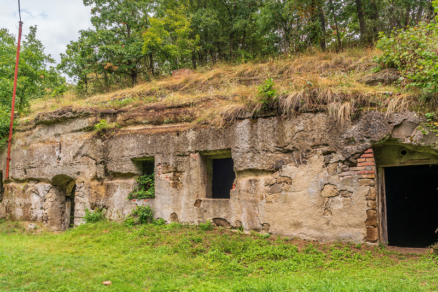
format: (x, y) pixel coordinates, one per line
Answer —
(384, 77)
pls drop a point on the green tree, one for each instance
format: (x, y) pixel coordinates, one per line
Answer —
(170, 37)
(116, 37)
(35, 77)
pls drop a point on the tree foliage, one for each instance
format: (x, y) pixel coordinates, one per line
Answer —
(36, 78)
(136, 40)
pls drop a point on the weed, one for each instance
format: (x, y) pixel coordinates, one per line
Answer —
(93, 217)
(145, 188)
(103, 126)
(141, 215)
(159, 222)
(267, 93)
(207, 226)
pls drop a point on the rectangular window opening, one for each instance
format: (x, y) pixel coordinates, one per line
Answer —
(219, 174)
(146, 179)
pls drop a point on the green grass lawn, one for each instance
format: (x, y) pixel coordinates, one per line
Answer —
(178, 257)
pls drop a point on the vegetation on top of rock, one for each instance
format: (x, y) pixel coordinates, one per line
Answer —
(413, 52)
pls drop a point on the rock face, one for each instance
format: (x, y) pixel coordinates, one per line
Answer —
(384, 77)
(304, 176)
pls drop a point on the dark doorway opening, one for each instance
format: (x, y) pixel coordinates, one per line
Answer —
(412, 205)
(223, 178)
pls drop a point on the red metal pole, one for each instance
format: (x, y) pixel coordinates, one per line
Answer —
(13, 100)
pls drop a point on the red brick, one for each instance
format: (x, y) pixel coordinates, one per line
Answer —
(365, 164)
(369, 151)
(362, 159)
(369, 159)
(366, 172)
(357, 168)
(367, 155)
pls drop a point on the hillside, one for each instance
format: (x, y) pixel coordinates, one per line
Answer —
(313, 82)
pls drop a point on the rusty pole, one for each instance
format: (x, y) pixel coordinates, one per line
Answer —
(13, 99)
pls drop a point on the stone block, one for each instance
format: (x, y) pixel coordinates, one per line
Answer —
(372, 234)
(329, 191)
(345, 194)
(332, 168)
(285, 180)
(371, 218)
(404, 130)
(276, 188)
(345, 168)
(372, 194)
(366, 182)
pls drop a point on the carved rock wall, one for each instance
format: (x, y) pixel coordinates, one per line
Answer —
(303, 176)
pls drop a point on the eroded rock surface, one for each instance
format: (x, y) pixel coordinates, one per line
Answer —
(304, 176)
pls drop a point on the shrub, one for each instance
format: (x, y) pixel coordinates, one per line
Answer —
(103, 126)
(206, 226)
(93, 217)
(413, 52)
(141, 215)
(145, 189)
(267, 93)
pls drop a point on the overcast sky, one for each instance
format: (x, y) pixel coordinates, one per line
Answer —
(58, 21)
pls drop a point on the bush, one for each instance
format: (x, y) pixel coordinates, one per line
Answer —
(413, 52)
(103, 126)
(267, 93)
(141, 215)
(145, 189)
(93, 217)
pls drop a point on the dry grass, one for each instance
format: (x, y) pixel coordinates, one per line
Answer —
(306, 83)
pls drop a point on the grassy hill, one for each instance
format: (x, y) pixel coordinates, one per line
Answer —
(312, 82)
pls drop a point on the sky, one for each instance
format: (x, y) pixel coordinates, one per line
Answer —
(58, 21)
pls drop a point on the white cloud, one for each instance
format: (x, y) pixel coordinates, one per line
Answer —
(58, 21)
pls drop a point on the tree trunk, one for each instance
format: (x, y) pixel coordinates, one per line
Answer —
(336, 26)
(420, 12)
(231, 45)
(322, 21)
(375, 18)
(408, 16)
(361, 19)
(133, 76)
(151, 64)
